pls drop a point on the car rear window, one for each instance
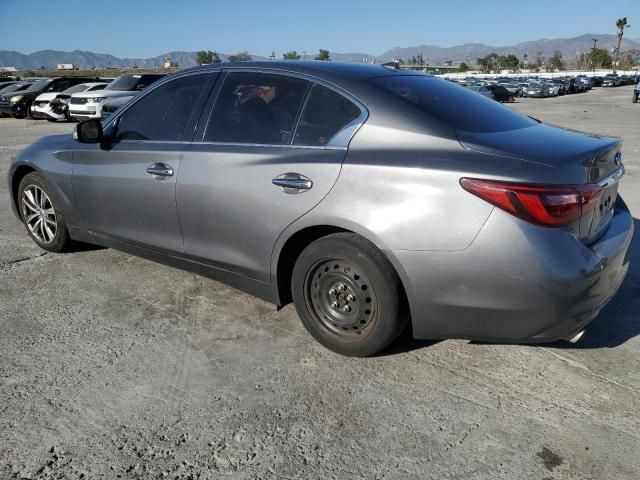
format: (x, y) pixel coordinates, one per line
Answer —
(458, 107)
(325, 114)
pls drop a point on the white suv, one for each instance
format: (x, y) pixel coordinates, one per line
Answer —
(89, 105)
(45, 107)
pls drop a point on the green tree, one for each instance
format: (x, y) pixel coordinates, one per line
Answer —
(291, 55)
(204, 57)
(207, 57)
(556, 61)
(621, 24)
(323, 55)
(240, 57)
(463, 67)
(507, 62)
(598, 58)
(488, 63)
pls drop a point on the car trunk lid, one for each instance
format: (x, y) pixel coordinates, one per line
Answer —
(579, 158)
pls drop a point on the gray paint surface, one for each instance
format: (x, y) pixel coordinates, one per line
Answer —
(115, 365)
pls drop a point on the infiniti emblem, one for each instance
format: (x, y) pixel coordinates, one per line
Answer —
(618, 158)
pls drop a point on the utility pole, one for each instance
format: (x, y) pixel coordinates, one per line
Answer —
(593, 55)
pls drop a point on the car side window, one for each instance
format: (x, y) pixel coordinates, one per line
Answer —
(163, 114)
(256, 108)
(325, 114)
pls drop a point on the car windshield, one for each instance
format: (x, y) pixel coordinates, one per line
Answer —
(39, 85)
(456, 106)
(10, 88)
(124, 83)
(76, 88)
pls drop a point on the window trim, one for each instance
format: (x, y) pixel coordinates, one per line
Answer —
(341, 139)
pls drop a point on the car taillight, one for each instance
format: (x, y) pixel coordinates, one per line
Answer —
(546, 205)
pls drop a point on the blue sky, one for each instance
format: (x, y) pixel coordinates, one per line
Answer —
(146, 28)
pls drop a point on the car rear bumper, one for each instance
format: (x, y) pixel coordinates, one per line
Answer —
(517, 282)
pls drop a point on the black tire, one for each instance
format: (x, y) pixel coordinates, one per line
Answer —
(635, 98)
(371, 291)
(52, 120)
(60, 241)
(29, 114)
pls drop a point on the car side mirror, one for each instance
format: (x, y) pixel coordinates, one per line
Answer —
(89, 131)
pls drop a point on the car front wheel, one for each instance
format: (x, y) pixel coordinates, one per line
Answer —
(348, 295)
(43, 221)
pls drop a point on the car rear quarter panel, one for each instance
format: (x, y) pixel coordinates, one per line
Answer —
(402, 188)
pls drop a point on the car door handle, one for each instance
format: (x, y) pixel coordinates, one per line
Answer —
(292, 183)
(160, 170)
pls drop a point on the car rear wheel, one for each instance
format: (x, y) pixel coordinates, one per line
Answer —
(348, 295)
(635, 98)
(43, 220)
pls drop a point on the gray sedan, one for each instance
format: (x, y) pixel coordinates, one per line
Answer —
(375, 199)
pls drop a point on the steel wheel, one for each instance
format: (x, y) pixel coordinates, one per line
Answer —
(341, 299)
(39, 214)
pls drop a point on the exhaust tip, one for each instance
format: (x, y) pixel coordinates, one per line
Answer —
(576, 337)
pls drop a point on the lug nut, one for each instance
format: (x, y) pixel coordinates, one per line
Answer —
(341, 287)
(334, 304)
(350, 298)
(346, 308)
(332, 291)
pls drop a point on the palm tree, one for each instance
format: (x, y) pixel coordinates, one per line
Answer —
(621, 24)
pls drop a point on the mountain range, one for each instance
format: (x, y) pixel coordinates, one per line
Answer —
(434, 54)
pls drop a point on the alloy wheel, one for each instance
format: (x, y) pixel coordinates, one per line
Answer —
(39, 214)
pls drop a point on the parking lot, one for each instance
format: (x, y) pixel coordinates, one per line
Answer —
(113, 366)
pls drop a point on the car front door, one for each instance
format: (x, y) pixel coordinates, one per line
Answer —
(272, 149)
(127, 192)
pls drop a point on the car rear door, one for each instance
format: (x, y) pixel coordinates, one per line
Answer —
(127, 192)
(240, 184)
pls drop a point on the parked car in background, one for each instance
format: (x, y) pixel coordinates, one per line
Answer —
(369, 197)
(552, 88)
(501, 94)
(19, 106)
(89, 105)
(42, 108)
(513, 88)
(482, 90)
(110, 105)
(561, 85)
(612, 80)
(536, 89)
(10, 91)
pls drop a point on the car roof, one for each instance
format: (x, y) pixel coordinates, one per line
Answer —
(93, 84)
(342, 69)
